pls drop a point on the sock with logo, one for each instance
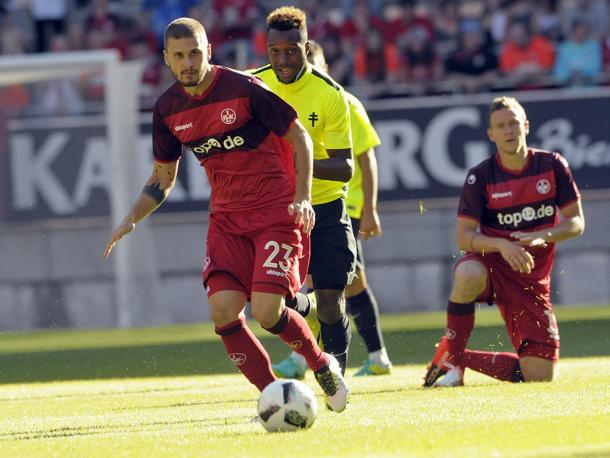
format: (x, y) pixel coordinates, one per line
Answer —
(502, 366)
(364, 310)
(460, 322)
(293, 330)
(246, 351)
(336, 338)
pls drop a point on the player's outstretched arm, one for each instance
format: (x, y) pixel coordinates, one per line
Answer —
(370, 226)
(156, 189)
(302, 145)
(572, 225)
(469, 239)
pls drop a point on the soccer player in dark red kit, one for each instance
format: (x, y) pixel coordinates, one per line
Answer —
(258, 158)
(508, 223)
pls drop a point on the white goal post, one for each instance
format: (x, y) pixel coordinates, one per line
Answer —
(135, 269)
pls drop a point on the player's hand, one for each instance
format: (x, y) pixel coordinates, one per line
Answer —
(529, 239)
(369, 224)
(517, 257)
(304, 216)
(120, 232)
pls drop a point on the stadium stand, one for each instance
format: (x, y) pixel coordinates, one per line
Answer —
(377, 48)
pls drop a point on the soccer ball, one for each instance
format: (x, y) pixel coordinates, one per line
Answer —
(287, 405)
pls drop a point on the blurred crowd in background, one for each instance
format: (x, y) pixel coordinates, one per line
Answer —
(376, 48)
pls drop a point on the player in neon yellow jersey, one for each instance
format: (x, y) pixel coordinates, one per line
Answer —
(362, 209)
(324, 110)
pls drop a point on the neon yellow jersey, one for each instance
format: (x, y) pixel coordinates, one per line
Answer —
(364, 137)
(323, 109)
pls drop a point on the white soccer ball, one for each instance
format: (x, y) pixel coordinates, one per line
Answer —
(287, 405)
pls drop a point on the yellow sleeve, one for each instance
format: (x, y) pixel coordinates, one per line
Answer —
(364, 135)
(337, 132)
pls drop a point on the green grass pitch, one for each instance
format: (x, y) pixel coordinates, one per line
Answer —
(172, 392)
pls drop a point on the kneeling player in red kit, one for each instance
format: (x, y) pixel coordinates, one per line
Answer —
(508, 223)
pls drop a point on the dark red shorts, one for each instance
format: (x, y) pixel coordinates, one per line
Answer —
(264, 251)
(525, 305)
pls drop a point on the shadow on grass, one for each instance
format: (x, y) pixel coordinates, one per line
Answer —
(578, 339)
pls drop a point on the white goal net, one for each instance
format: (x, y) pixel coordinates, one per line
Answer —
(71, 166)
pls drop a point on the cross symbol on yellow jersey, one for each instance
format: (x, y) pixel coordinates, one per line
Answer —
(313, 117)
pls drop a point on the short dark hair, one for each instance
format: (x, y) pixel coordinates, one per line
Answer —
(184, 27)
(500, 103)
(287, 18)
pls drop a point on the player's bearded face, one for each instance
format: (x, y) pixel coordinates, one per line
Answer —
(188, 59)
(287, 54)
(508, 129)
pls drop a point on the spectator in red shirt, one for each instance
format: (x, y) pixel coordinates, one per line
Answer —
(108, 26)
(236, 17)
(526, 58)
(376, 61)
(403, 18)
(357, 26)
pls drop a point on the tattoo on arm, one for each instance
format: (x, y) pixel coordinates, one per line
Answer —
(154, 190)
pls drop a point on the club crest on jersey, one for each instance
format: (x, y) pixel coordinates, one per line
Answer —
(228, 116)
(543, 186)
(471, 178)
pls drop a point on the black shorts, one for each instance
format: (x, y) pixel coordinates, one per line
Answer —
(333, 247)
(359, 253)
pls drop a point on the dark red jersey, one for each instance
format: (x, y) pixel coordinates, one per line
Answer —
(504, 201)
(234, 129)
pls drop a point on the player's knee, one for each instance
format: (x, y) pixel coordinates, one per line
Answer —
(226, 306)
(222, 315)
(470, 273)
(331, 305)
(469, 280)
(266, 315)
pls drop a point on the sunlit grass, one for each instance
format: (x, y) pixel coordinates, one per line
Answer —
(169, 392)
(387, 416)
